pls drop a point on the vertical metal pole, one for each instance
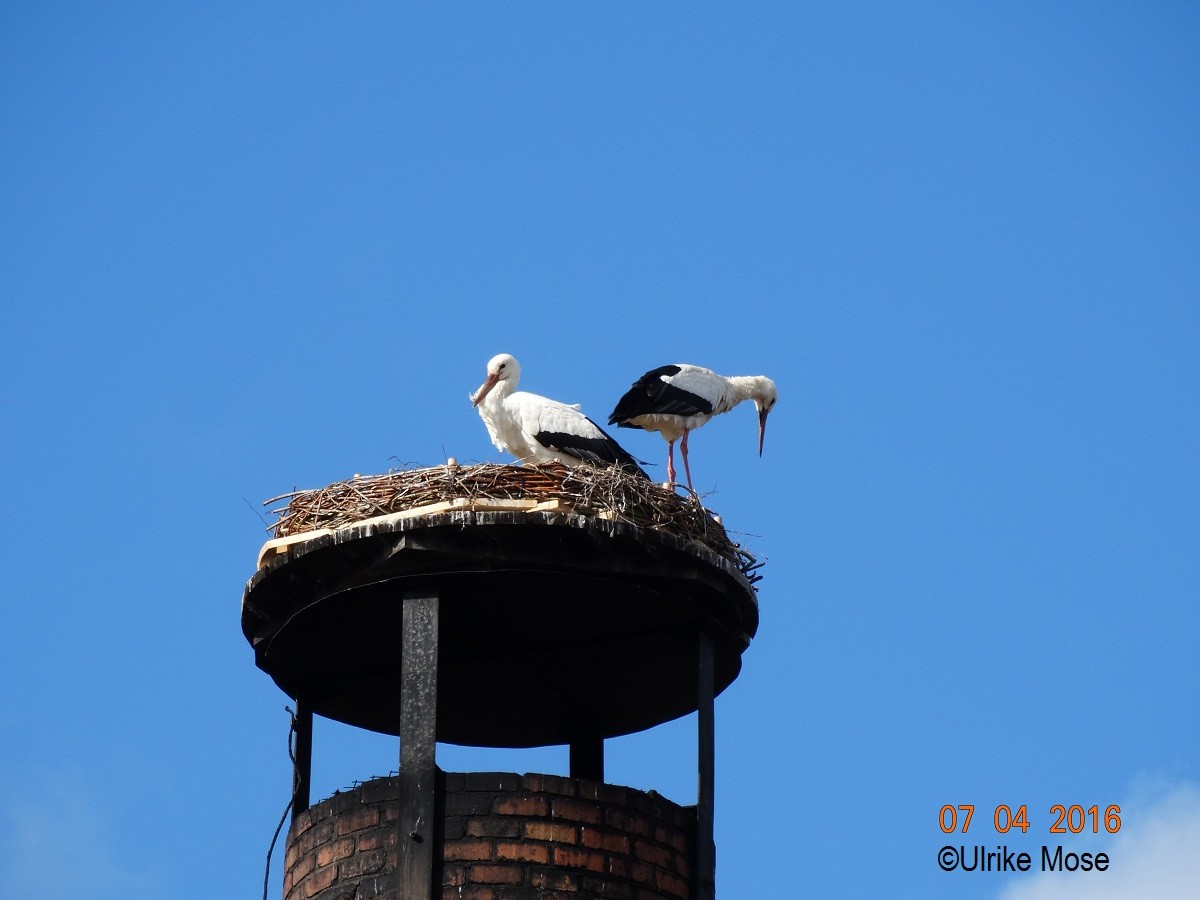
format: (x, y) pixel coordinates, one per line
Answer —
(302, 774)
(418, 736)
(706, 851)
(587, 758)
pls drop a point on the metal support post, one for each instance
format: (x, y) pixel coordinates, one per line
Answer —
(302, 749)
(587, 758)
(418, 736)
(706, 851)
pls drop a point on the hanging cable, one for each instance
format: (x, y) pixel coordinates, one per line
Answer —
(290, 803)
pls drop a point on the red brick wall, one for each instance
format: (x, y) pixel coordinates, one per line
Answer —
(504, 837)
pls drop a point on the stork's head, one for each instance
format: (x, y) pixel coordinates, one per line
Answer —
(500, 369)
(764, 396)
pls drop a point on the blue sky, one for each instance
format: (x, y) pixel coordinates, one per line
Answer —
(256, 247)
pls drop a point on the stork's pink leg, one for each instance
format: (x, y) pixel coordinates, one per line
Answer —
(671, 463)
(686, 469)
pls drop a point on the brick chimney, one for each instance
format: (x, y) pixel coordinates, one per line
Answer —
(508, 629)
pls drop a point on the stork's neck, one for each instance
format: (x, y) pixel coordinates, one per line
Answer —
(747, 387)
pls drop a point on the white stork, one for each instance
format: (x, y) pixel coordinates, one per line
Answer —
(539, 430)
(676, 400)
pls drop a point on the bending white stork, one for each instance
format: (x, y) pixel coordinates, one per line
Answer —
(676, 400)
(539, 430)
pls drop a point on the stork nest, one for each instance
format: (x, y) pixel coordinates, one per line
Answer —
(586, 490)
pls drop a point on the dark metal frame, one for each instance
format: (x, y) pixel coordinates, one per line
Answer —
(587, 758)
(706, 855)
(418, 747)
(302, 726)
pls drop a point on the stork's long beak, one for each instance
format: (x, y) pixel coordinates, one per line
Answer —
(487, 385)
(762, 428)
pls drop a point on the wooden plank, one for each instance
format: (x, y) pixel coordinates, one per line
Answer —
(276, 546)
(459, 504)
(279, 545)
(418, 736)
(706, 851)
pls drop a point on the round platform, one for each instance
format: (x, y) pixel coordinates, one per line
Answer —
(552, 627)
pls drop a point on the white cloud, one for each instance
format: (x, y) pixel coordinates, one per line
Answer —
(1155, 856)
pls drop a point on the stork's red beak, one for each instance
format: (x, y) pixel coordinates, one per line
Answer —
(488, 384)
(762, 428)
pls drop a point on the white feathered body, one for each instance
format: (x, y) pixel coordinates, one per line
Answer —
(514, 419)
(536, 429)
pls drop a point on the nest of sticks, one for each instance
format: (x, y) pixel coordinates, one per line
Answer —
(606, 492)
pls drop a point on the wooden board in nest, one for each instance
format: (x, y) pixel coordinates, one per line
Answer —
(605, 493)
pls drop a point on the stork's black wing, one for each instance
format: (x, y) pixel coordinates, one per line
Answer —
(602, 450)
(654, 394)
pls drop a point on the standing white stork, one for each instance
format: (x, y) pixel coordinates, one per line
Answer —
(676, 400)
(539, 430)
